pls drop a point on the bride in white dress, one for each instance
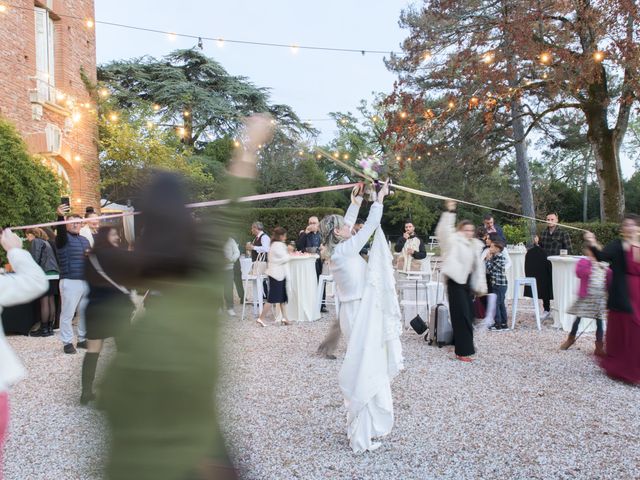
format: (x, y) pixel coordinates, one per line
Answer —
(369, 318)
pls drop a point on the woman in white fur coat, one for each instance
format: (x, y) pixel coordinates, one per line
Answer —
(464, 274)
(27, 283)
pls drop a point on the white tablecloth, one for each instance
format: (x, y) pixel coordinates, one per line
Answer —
(565, 286)
(516, 271)
(303, 284)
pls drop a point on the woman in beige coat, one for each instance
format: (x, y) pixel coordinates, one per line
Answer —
(464, 274)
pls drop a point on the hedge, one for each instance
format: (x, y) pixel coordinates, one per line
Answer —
(291, 219)
(604, 232)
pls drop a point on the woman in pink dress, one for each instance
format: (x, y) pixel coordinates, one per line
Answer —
(622, 341)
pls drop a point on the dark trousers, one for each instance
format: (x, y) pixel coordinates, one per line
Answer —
(461, 309)
(599, 330)
(501, 308)
(318, 273)
(546, 304)
(237, 279)
(228, 288)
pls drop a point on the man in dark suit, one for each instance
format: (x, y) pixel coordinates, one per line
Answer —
(491, 226)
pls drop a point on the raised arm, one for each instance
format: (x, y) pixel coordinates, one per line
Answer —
(352, 212)
(353, 245)
(446, 229)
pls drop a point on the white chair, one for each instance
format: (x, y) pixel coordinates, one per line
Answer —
(530, 281)
(256, 292)
(433, 242)
(322, 281)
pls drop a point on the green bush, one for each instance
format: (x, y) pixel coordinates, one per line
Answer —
(604, 232)
(30, 190)
(291, 219)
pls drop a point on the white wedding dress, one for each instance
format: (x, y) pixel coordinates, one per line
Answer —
(372, 326)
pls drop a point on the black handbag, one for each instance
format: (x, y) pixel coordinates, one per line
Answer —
(417, 323)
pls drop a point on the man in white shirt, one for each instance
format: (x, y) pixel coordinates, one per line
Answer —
(91, 225)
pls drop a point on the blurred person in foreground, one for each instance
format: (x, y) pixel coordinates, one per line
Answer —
(27, 283)
(159, 394)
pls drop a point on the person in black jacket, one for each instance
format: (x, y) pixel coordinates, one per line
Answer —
(309, 241)
(415, 248)
(622, 341)
(43, 253)
(72, 248)
(109, 307)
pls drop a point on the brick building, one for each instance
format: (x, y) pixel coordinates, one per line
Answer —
(45, 46)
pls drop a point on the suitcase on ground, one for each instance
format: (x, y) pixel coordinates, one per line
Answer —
(440, 330)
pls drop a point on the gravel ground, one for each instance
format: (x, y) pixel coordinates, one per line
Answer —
(523, 409)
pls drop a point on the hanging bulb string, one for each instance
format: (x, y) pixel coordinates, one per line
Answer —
(435, 196)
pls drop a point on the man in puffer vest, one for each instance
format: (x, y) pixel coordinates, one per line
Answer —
(72, 248)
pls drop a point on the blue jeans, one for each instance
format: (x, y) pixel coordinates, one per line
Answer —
(501, 308)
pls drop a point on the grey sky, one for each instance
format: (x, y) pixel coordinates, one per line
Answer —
(314, 83)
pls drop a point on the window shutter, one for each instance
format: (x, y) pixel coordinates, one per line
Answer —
(42, 54)
(51, 63)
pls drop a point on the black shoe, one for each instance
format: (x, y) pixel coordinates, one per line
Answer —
(69, 348)
(82, 344)
(43, 331)
(504, 326)
(330, 356)
(323, 309)
(87, 397)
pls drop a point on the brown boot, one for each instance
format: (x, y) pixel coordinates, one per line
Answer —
(599, 351)
(571, 339)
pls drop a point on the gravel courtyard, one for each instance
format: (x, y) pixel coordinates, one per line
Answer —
(522, 410)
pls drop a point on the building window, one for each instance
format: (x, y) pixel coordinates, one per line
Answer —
(45, 56)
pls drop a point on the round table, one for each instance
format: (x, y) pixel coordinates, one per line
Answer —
(516, 271)
(565, 286)
(302, 286)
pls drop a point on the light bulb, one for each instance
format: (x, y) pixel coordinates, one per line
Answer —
(89, 23)
(113, 117)
(545, 57)
(598, 56)
(103, 92)
(77, 158)
(76, 117)
(294, 49)
(3, 8)
(220, 42)
(345, 156)
(403, 114)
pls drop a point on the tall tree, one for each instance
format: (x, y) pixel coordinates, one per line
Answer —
(194, 94)
(515, 60)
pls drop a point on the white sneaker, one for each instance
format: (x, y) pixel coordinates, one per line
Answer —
(231, 312)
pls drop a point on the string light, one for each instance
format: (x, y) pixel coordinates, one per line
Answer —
(236, 143)
(451, 104)
(3, 8)
(89, 23)
(172, 36)
(77, 158)
(78, 200)
(114, 117)
(545, 58)
(181, 131)
(220, 42)
(488, 57)
(301, 153)
(336, 155)
(103, 92)
(156, 107)
(294, 49)
(186, 113)
(345, 156)
(427, 56)
(318, 156)
(403, 114)
(60, 96)
(76, 117)
(598, 56)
